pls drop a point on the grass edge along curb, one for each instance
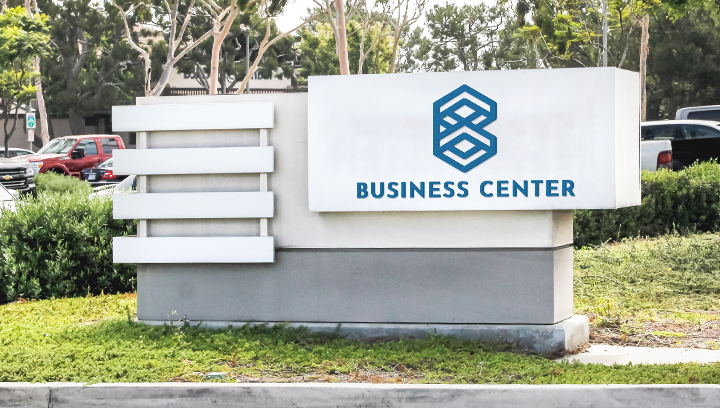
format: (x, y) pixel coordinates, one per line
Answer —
(95, 339)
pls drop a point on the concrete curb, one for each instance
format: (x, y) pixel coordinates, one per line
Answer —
(194, 395)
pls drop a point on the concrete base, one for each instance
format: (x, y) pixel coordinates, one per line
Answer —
(550, 338)
(193, 395)
(428, 286)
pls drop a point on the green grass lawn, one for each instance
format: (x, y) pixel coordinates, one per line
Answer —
(654, 292)
(623, 287)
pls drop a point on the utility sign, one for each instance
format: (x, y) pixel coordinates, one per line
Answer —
(30, 120)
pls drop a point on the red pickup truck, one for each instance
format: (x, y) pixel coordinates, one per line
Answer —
(69, 155)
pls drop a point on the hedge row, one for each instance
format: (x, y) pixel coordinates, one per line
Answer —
(684, 202)
(61, 245)
(58, 183)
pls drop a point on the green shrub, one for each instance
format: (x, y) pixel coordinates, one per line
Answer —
(57, 183)
(61, 245)
(684, 202)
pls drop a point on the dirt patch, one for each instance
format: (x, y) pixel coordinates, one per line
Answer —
(360, 376)
(400, 375)
(659, 333)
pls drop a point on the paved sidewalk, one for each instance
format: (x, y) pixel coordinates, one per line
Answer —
(610, 355)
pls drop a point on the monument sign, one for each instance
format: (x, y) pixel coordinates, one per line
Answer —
(381, 204)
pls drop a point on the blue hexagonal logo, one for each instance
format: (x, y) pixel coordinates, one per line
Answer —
(459, 137)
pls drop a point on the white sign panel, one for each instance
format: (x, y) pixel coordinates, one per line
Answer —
(30, 120)
(490, 140)
(31, 135)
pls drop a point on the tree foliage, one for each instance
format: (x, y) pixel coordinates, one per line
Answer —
(279, 60)
(92, 69)
(463, 37)
(568, 33)
(318, 55)
(684, 62)
(23, 37)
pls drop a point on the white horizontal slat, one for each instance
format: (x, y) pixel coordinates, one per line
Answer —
(216, 160)
(208, 116)
(193, 250)
(193, 205)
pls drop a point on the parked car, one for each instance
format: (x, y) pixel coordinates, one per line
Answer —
(655, 155)
(710, 112)
(69, 155)
(129, 185)
(691, 140)
(101, 174)
(15, 152)
(7, 199)
(17, 175)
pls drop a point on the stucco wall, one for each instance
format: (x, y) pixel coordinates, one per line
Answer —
(439, 267)
(294, 226)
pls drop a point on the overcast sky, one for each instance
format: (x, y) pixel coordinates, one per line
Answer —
(296, 9)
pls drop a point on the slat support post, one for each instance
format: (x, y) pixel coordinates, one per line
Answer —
(141, 143)
(263, 183)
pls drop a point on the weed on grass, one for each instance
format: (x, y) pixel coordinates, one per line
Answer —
(96, 339)
(652, 292)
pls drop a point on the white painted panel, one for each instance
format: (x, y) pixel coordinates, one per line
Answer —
(193, 205)
(513, 126)
(143, 118)
(627, 140)
(225, 160)
(193, 250)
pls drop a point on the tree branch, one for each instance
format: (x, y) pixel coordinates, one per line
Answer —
(185, 23)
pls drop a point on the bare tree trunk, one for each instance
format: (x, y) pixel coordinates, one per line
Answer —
(393, 60)
(77, 122)
(643, 64)
(265, 44)
(175, 38)
(214, 67)
(396, 39)
(218, 37)
(51, 130)
(361, 60)
(341, 38)
(5, 125)
(8, 134)
(260, 52)
(42, 113)
(165, 77)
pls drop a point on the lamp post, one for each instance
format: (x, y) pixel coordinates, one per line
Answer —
(246, 30)
(605, 32)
